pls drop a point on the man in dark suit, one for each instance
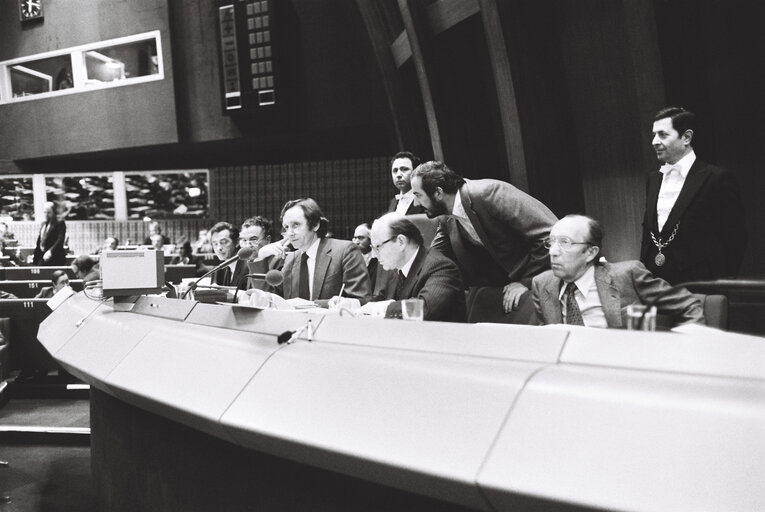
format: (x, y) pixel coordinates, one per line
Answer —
(580, 291)
(59, 279)
(694, 225)
(225, 244)
(401, 166)
(418, 272)
(493, 231)
(363, 241)
(49, 249)
(319, 267)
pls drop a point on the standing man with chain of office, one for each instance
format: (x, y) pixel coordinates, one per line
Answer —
(694, 225)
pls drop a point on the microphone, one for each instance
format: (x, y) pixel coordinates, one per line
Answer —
(714, 284)
(273, 277)
(245, 253)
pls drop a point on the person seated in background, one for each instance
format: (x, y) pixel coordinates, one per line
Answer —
(155, 229)
(12, 254)
(60, 279)
(225, 244)
(84, 267)
(422, 273)
(157, 242)
(183, 255)
(256, 233)
(362, 239)
(320, 266)
(110, 244)
(202, 245)
(6, 234)
(579, 290)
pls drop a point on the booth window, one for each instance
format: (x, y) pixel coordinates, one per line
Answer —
(113, 63)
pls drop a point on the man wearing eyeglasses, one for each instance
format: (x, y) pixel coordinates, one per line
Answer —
(256, 233)
(579, 290)
(225, 243)
(416, 272)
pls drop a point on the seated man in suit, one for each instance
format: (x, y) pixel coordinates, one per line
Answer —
(421, 273)
(59, 280)
(581, 291)
(319, 267)
(225, 243)
(84, 267)
(362, 239)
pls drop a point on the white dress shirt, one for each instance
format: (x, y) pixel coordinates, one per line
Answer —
(459, 212)
(405, 200)
(311, 262)
(587, 298)
(671, 185)
(408, 265)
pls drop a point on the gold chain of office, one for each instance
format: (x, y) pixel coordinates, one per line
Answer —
(660, 259)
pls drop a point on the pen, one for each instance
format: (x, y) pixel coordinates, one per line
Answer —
(341, 290)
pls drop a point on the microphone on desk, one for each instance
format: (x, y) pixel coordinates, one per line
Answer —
(273, 278)
(245, 253)
(714, 284)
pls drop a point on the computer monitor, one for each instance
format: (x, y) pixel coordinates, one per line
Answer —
(132, 273)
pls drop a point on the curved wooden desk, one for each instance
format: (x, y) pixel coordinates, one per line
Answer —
(194, 403)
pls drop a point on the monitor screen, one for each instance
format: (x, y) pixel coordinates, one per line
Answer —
(126, 273)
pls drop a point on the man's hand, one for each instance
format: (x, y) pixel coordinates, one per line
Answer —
(48, 255)
(512, 295)
(348, 303)
(275, 249)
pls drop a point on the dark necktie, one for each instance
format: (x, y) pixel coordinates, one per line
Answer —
(305, 291)
(400, 280)
(225, 277)
(573, 314)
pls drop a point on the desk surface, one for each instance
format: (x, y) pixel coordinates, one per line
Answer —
(599, 418)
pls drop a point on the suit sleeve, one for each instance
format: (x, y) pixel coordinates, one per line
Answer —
(355, 274)
(58, 243)
(443, 287)
(680, 304)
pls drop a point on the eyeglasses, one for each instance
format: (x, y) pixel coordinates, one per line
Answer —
(253, 240)
(378, 246)
(563, 242)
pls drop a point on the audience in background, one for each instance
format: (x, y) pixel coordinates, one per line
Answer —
(6, 235)
(401, 166)
(59, 278)
(579, 290)
(12, 254)
(49, 249)
(492, 230)
(84, 267)
(157, 242)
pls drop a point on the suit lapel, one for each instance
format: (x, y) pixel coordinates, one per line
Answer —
(293, 277)
(610, 296)
(323, 259)
(456, 240)
(697, 175)
(414, 271)
(551, 303)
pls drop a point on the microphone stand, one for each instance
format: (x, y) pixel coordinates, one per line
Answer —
(244, 254)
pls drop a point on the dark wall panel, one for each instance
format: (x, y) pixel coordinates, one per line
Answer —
(349, 191)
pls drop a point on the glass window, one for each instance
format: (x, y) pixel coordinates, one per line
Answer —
(82, 197)
(17, 198)
(122, 61)
(167, 195)
(40, 76)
